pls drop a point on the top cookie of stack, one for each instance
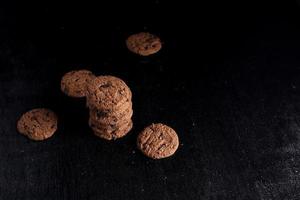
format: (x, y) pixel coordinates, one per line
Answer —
(110, 102)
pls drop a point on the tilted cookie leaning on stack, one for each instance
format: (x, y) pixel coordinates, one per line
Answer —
(109, 101)
(74, 83)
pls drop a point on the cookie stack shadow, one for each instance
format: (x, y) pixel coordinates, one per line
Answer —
(109, 100)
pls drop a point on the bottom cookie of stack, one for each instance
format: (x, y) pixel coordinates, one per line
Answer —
(111, 132)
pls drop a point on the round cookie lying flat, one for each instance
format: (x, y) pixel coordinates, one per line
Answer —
(107, 93)
(74, 83)
(158, 141)
(38, 124)
(143, 43)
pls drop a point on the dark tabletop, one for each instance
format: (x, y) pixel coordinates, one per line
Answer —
(227, 80)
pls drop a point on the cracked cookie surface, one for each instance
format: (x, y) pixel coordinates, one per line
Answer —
(158, 141)
(74, 83)
(143, 43)
(38, 124)
(107, 93)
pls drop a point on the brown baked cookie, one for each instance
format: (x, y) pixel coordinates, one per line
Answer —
(118, 112)
(143, 43)
(107, 93)
(158, 141)
(111, 118)
(74, 83)
(115, 134)
(112, 121)
(108, 127)
(38, 124)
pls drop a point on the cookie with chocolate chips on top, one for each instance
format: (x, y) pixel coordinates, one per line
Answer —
(38, 124)
(74, 83)
(107, 93)
(143, 43)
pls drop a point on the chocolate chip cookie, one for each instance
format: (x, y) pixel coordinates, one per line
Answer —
(38, 124)
(158, 141)
(107, 93)
(143, 43)
(74, 83)
(111, 117)
(108, 127)
(113, 133)
(109, 101)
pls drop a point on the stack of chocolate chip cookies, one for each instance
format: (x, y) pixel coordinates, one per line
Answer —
(110, 102)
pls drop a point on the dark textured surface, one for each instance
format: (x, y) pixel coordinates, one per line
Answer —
(237, 117)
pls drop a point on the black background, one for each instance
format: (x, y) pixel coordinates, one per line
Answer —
(227, 80)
